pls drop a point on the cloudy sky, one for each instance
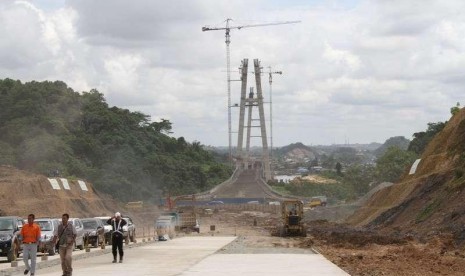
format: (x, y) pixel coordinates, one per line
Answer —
(353, 71)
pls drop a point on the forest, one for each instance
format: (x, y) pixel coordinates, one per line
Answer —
(48, 128)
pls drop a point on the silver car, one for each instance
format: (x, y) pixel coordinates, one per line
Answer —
(108, 228)
(80, 232)
(47, 227)
(129, 230)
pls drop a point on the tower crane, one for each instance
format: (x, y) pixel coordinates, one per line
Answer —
(271, 116)
(227, 30)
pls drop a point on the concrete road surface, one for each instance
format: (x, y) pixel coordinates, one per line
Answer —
(195, 256)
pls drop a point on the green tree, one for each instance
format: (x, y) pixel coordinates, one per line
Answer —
(421, 139)
(358, 177)
(393, 164)
(47, 126)
(455, 109)
(338, 168)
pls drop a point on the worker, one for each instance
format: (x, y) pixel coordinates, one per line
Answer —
(117, 224)
(31, 236)
(65, 237)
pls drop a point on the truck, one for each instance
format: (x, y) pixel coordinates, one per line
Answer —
(188, 220)
(186, 215)
(316, 201)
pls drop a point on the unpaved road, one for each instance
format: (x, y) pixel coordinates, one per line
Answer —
(356, 251)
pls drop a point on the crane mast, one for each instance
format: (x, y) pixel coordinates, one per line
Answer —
(227, 30)
(271, 116)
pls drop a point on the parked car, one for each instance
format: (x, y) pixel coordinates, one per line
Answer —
(47, 228)
(10, 245)
(129, 230)
(107, 227)
(77, 223)
(94, 231)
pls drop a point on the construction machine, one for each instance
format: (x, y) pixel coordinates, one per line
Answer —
(185, 215)
(292, 213)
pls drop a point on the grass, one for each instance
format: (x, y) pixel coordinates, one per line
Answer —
(428, 211)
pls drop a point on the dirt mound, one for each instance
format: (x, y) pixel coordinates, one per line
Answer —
(22, 193)
(366, 252)
(300, 154)
(431, 200)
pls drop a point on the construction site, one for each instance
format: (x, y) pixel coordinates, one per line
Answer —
(412, 227)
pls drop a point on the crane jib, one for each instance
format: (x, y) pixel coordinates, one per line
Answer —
(249, 26)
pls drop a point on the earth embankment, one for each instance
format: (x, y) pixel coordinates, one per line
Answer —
(23, 193)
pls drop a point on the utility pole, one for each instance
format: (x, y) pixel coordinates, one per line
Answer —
(271, 116)
(227, 29)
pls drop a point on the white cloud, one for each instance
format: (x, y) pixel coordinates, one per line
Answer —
(341, 57)
(365, 70)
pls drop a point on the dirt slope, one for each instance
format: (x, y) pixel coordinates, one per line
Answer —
(22, 193)
(430, 201)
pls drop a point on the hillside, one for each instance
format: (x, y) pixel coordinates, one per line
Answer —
(47, 126)
(398, 141)
(22, 193)
(430, 201)
(297, 151)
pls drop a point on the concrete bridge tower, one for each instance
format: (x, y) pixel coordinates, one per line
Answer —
(250, 102)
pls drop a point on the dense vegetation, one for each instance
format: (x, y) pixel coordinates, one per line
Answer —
(47, 127)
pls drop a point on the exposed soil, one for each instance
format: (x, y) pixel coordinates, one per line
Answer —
(357, 251)
(23, 193)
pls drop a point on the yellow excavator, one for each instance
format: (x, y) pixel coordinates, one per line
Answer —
(292, 213)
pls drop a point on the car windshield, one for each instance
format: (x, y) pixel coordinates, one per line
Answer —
(162, 224)
(104, 221)
(6, 224)
(45, 225)
(90, 224)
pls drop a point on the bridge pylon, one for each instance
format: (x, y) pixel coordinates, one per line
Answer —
(244, 157)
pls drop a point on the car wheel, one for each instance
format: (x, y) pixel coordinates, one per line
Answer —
(127, 239)
(51, 251)
(133, 236)
(81, 246)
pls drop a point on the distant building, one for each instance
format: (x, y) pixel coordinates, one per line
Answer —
(285, 178)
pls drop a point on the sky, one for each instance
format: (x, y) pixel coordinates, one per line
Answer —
(352, 71)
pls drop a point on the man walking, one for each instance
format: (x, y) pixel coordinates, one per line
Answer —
(117, 224)
(66, 236)
(31, 236)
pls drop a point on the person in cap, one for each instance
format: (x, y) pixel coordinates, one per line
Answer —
(117, 224)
